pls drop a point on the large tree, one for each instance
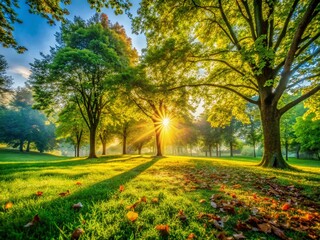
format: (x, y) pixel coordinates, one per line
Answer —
(82, 69)
(5, 79)
(257, 50)
(53, 10)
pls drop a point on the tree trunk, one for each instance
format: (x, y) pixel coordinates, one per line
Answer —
(231, 149)
(28, 146)
(157, 129)
(78, 136)
(124, 144)
(272, 156)
(210, 150)
(21, 145)
(287, 150)
(92, 153)
(298, 151)
(75, 150)
(254, 149)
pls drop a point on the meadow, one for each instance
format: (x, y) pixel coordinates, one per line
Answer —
(145, 197)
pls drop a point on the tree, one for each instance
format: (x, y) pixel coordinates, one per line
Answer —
(83, 70)
(308, 134)
(141, 135)
(50, 10)
(257, 50)
(5, 80)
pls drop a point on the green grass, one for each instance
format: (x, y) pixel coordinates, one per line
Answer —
(178, 182)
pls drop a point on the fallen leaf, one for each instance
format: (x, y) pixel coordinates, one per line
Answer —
(133, 206)
(8, 205)
(35, 219)
(155, 200)
(77, 233)
(163, 229)
(219, 225)
(63, 194)
(239, 236)
(233, 195)
(77, 206)
(229, 209)
(236, 186)
(121, 188)
(202, 201)
(79, 183)
(213, 204)
(39, 193)
(242, 226)
(265, 227)
(279, 232)
(254, 211)
(143, 199)
(132, 216)
(191, 236)
(285, 207)
(182, 216)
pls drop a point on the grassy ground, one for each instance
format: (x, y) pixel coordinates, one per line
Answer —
(172, 191)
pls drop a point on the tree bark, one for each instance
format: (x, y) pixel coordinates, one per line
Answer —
(21, 145)
(92, 153)
(124, 144)
(287, 149)
(231, 149)
(28, 146)
(272, 156)
(298, 152)
(210, 150)
(254, 149)
(157, 129)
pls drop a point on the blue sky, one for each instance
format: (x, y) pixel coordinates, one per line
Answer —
(36, 35)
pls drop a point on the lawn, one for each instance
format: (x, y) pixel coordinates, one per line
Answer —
(145, 197)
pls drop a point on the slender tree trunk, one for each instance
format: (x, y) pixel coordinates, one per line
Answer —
(75, 150)
(139, 149)
(287, 150)
(254, 149)
(231, 149)
(104, 144)
(79, 136)
(272, 156)
(21, 145)
(92, 153)
(124, 144)
(298, 151)
(210, 151)
(217, 150)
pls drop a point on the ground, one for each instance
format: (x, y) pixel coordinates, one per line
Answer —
(145, 197)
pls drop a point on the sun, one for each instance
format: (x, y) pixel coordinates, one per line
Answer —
(166, 122)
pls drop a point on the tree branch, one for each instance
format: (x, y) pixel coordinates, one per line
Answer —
(218, 86)
(302, 80)
(305, 61)
(299, 99)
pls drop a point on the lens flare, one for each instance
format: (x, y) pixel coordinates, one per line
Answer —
(166, 122)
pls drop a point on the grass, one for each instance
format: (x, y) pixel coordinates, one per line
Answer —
(179, 183)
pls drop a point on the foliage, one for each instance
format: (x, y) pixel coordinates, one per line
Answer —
(5, 80)
(256, 50)
(173, 192)
(51, 10)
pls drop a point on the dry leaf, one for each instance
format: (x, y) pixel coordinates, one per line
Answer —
(285, 207)
(79, 183)
(39, 193)
(182, 216)
(155, 200)
(265, 227)
(77, 233)
(163, 229)
(143, 199)
(213, 204)
(35, 219)
(239, 236)
(202, 201)
(63, 194)
(8, 205)
(77, 206)
(236, 186)
(133, 206)
(191, 236)
(254, 211)
(121, 188)
(132, 216)
(279, 233)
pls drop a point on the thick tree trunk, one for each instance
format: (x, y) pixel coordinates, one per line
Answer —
(28, 146)
(92, 153)
(272, 156)
(157, 129)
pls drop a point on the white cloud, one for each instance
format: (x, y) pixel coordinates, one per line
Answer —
(20, 70)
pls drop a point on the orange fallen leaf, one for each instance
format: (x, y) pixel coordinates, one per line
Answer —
(63, 194)
(155, 200)
(79, 183)
(121, 188)
(35, 219)
(8, 205)
(202, 201)
(254, 196)
(236, 186)
(77, 233)
(133, 206)
(39, 193)
(285, 207)
(163, 229)
(132, 216)
(143, 199)
(182, 216)
(191, 236)
(265, 227)
(233, 195)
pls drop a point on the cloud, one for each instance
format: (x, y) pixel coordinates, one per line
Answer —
(20, 70)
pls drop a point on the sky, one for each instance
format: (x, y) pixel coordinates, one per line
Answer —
(37, 36)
